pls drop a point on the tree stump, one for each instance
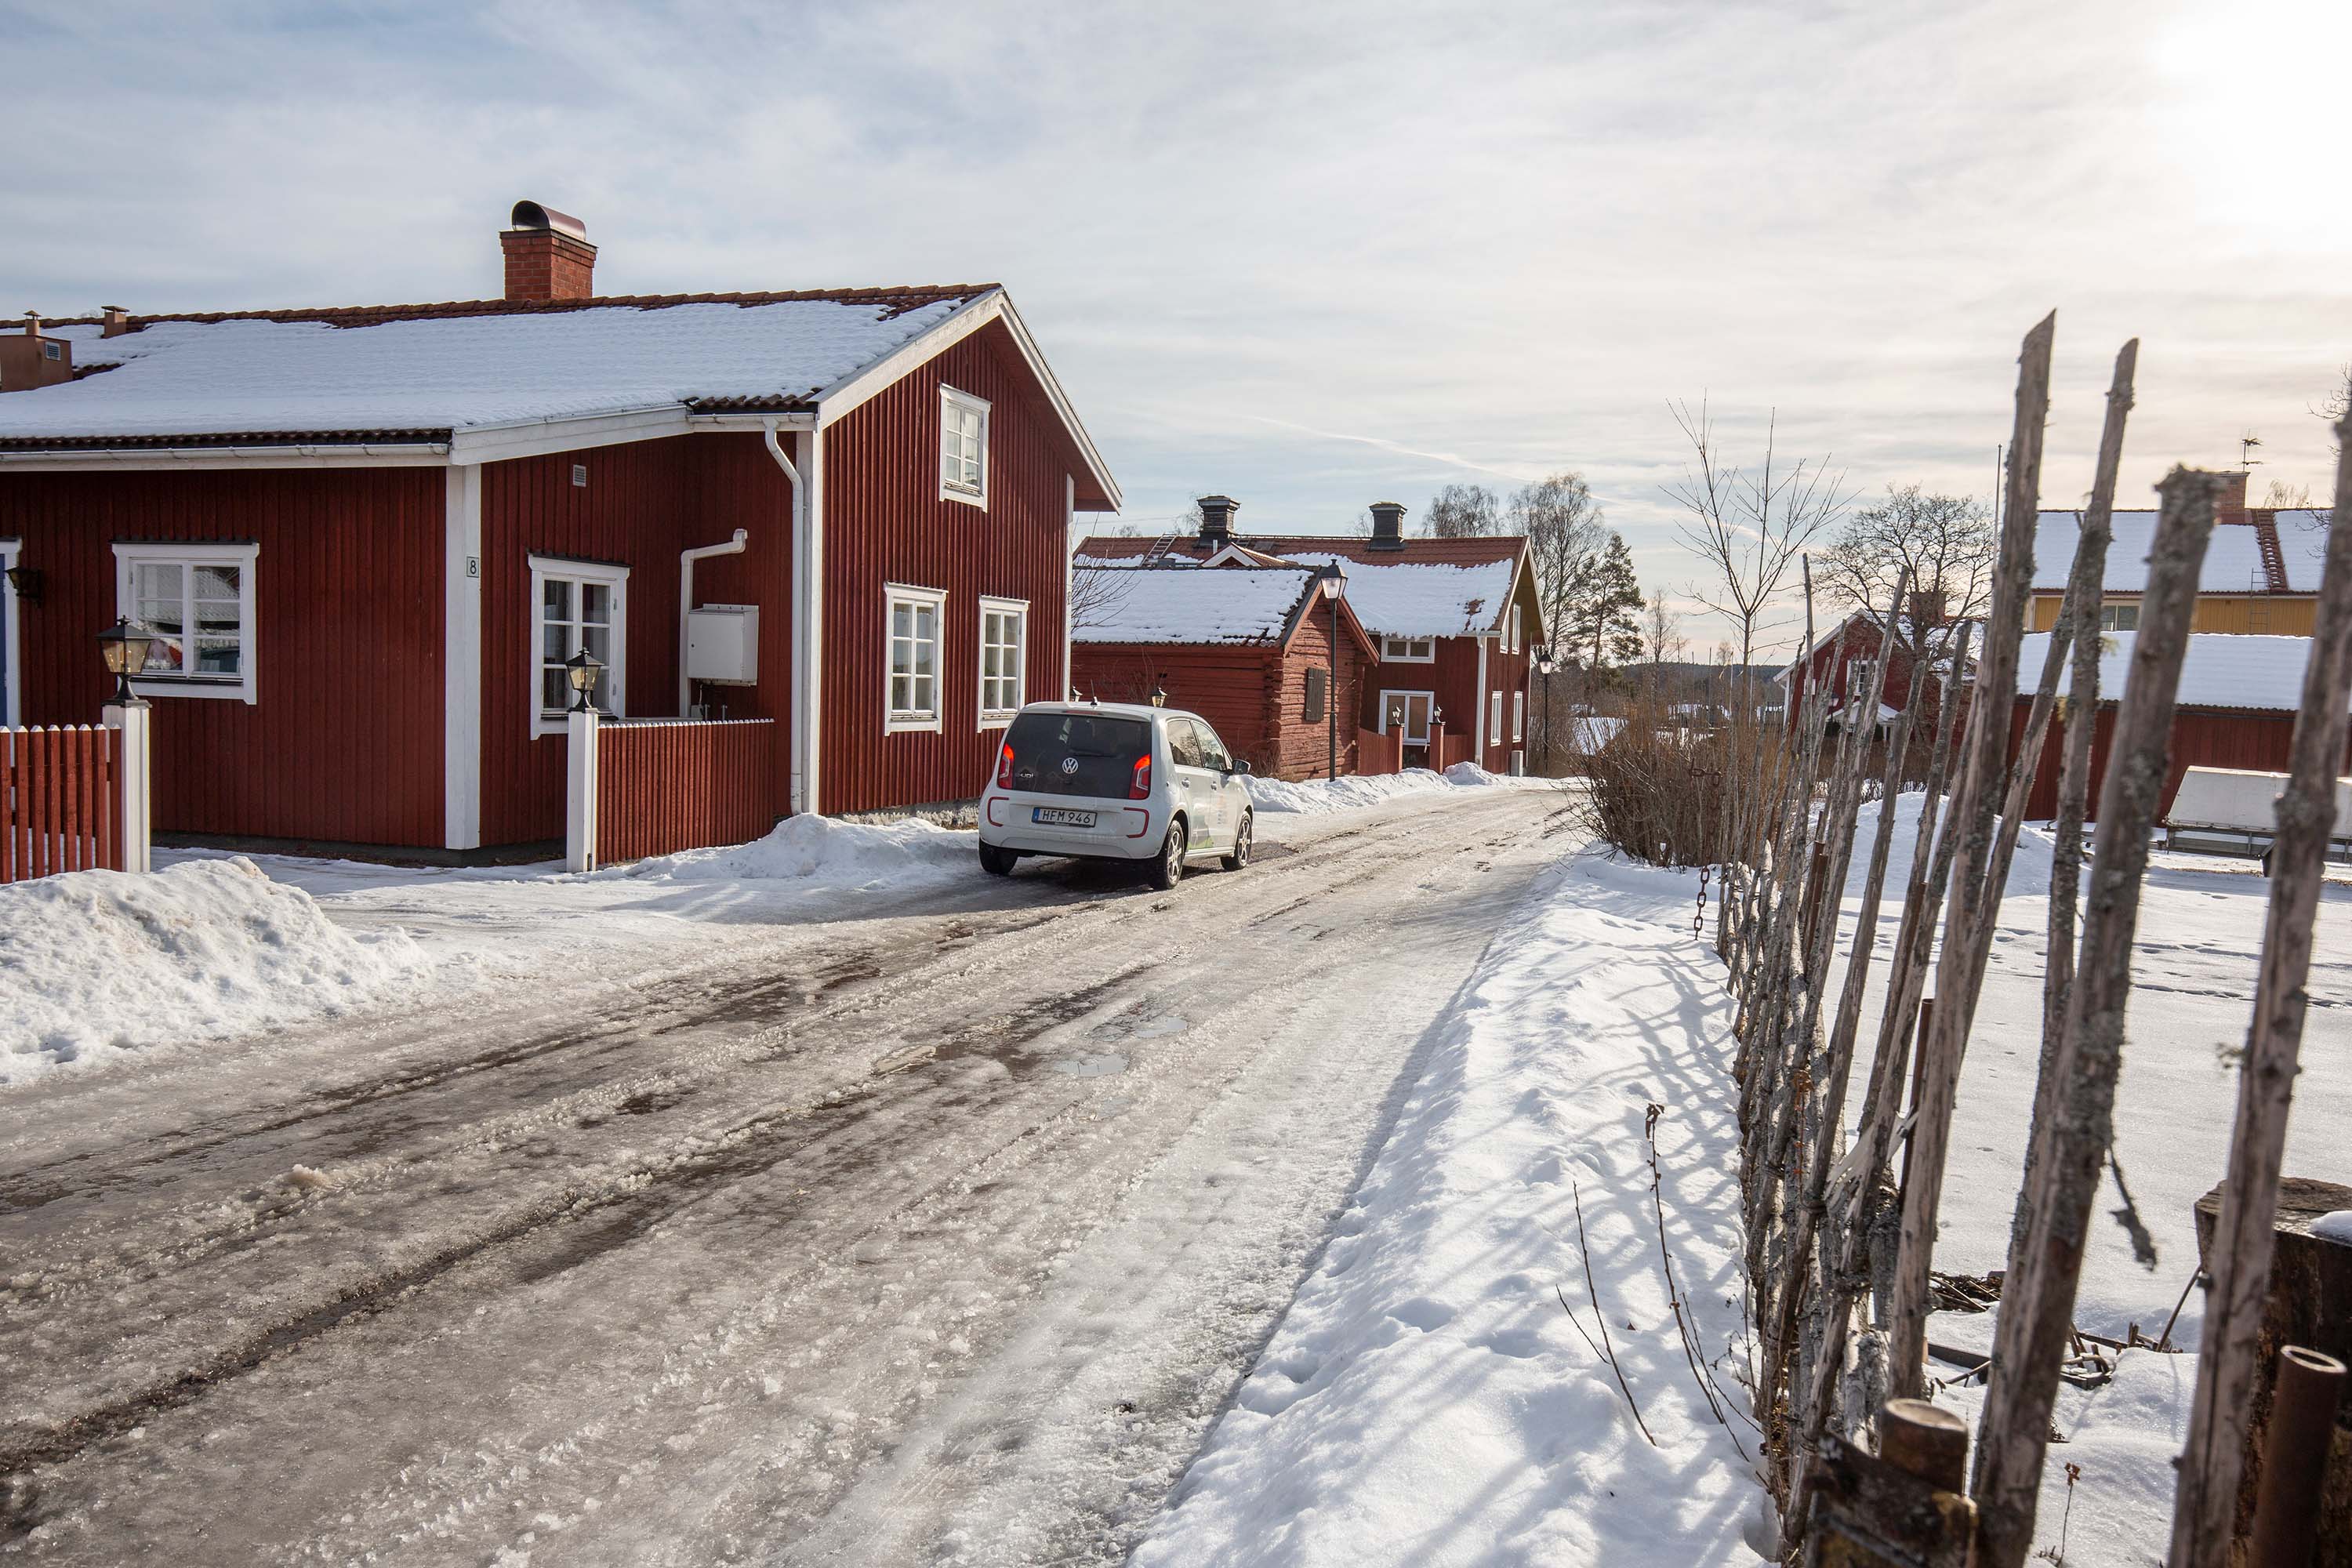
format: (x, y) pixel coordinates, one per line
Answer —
(2310, 1304)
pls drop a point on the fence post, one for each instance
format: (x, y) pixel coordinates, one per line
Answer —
(580, 790)
(132, 775)
(1899, 1508)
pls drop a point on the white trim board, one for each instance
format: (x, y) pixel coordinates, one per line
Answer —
(12, 690)
(247, 687)
(461, 659)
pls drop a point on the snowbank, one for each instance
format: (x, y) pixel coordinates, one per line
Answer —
(1426, 1398)
(97, 964)
(1322, 797)
(2028, 868)
(826, 853)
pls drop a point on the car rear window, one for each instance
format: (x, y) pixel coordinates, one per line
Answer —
(1076, 754)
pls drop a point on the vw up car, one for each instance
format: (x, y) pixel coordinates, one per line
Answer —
(1151, 786)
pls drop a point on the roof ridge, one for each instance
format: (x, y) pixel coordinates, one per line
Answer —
(903, 297)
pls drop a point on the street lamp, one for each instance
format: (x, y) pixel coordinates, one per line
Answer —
(582, 669)
(1332, 582)
(124, 645)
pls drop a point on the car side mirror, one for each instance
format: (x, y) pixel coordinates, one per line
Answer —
(1241, 765)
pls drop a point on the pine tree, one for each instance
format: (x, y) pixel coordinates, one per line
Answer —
(1602, 609)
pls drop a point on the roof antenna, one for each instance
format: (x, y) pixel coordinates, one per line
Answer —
(2247, 462)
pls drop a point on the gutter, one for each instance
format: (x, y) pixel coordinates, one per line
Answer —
(686, 560)
(227, 457)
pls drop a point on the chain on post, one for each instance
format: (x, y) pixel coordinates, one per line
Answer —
(1698, 916)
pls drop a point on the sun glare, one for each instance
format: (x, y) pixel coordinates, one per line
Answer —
(2248, 105)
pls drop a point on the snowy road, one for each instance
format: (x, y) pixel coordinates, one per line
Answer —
(924, 1236)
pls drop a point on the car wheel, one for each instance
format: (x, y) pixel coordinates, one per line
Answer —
(1240, 855)
(1168, 869)
(998, 862)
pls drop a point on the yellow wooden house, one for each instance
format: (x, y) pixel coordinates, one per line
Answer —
(2261, 575)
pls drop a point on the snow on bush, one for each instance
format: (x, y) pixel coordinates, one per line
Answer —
(1426, 1399)
(825, 852)
(97, 964)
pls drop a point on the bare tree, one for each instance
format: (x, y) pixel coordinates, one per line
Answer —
(1661, 631)
(1461, 511)
(1750, 524)
(1565, 540)
(1096, 592)
(1947, 543)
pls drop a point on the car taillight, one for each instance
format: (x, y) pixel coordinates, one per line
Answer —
(1004, 767)
(1140, 789)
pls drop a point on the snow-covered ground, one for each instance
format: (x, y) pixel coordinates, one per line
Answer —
(2194, 963)
(1439, 1391)
(1321, 797)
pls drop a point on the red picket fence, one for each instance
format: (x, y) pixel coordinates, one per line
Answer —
(1379, 754)
(665, 785)
(61, 801)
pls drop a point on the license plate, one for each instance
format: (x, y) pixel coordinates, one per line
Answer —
(1061, 816)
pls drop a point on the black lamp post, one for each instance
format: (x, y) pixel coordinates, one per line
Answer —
(123, 646)
(582, 669)
(1333, 582)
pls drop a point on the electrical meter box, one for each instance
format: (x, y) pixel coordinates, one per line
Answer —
(722, 644)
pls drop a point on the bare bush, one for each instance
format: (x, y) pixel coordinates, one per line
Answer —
(1659, 788)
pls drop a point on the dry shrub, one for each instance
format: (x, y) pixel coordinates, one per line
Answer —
(1661, 785)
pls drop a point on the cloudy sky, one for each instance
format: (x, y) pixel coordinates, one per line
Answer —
(1312, 256)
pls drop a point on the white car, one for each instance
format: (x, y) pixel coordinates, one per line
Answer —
(1152, 787)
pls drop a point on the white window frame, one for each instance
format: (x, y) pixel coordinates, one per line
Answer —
(952, 403)
(998, 718)
(616, 682)
(1494, 718)
(1388, 655)
(2111, 613)
(894, 720)
(1410, 738)
(1518, 716)
(1511, 644)
(245, 687)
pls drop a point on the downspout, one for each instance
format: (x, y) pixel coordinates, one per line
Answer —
(803, 650)
(686, 560)
(1478, 717)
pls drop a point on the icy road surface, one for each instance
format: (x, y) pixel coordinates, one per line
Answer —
(925, 1236)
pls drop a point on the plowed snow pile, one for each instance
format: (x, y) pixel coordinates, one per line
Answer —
(826, 852)
(97, 964)
(1317, 797)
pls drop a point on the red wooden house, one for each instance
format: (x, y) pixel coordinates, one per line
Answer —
(2236, 708)
(1846, 657)
(368, 537)
(1452, 621)
(1246, 647)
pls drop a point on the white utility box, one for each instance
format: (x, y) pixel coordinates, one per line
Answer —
(722, 644)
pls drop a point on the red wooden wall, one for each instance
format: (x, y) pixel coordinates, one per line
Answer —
(663, 788)
(885, 522)
(1225, 684)
(2201, 737)
(643, 502)
(344, 743)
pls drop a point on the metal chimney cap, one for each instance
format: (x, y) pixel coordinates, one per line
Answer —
(533, 216)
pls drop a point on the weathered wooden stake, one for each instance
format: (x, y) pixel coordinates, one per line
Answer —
(2037, 1296)
(1974, 808)
(2239, 1265)
(2294, 1461)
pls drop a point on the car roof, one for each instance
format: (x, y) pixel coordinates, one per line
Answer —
(1112, 710)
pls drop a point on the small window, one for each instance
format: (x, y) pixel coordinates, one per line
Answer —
(912, 701)
(1003, 648)
(963, 447)
(1318, 681)
(195, 601)
(1513, 643)
(578, 606)
(1408, 711)
(51, 351)
(1519, 715)
(2119, 617)
(1494, 718)
(1408, 650)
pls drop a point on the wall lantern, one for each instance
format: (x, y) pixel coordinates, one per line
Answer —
(1160, 696)
(27, 581)
(582, 669)
(123, 646)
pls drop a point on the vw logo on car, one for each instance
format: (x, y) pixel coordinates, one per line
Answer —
(1069, 765)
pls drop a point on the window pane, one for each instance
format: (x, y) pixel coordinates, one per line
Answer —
(901, 690)
(163, 654)
(151, 580)
(598, 642)
(552, 691)
(554, 641)
(902, 619)
(217, 582)
(555, 599)
(216, 656)
(922, 694)
(596, 603)
(902, 655)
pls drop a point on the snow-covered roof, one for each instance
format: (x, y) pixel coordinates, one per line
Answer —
(2220, 669)
(2303, 546)
(2234, 560)
(1190, 605)
(1422, 598)
(454, 372)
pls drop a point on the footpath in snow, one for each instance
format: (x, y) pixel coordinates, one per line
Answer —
(1428, 1399)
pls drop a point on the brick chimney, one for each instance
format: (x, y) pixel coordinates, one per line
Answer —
(548, 254)
(2230, 505)
(116, 319)
(1217, 519)
(1927, 608)
(29, 360)
(1388, 525)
